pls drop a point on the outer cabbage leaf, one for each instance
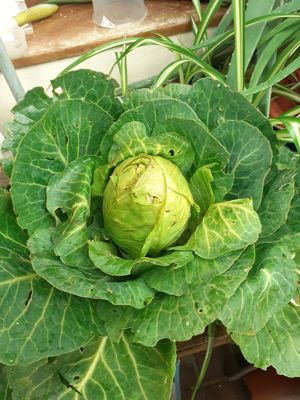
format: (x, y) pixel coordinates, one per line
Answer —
(275, 206)
(132, 140)
(105, 257)
(85, 85)
(34, 315)
(201, 185)
(90, 86)
(276, 344)
(148, 114)
(215, 103)
(100, 370)
(207, 149)
(178, 318)
(70, 129)
(227, 226)
(140, 96)
(84, 282)
(291, 225)
(5, 391)
(68, 200)
(250, 159)
(209, 185)
(221, 184)
(269, 286)
(190, 277)
(26, 112)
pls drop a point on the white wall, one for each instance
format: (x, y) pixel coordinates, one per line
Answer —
(142, 63)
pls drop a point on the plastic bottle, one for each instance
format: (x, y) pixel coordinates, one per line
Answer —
(112, 13)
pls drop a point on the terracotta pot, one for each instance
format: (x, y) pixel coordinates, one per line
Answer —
(267, 385)
(280, 104)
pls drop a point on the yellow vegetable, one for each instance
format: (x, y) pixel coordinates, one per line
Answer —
(35, 13)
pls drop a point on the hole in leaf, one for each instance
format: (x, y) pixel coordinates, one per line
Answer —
(81, 349)
(49, 158)
(171, 152)
(76, 378)
(61, 215)
(28, 298)
(200, 310)
(66, 140)
(58, 90)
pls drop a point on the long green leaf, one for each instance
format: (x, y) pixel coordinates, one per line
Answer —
(293, 126)
(225, 22)
(254, 9)
(238, 60)
(168, 71)
(137, 42)
(97, 50)
(205, 68)
(279, 64)
(265, 56)
(289, 6)
(282, 26)
(210, 10)
(194, 25)
(215, 42)
(204, 20)
(197, 7)
(293, 66)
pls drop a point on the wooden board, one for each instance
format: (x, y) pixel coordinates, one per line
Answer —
(71, 31)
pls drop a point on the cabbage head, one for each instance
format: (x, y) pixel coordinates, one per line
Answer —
(146, 205)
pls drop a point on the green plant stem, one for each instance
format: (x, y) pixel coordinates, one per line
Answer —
(180, 69)
(211, 337)
(238, 9)
(289, 94)
(122, 66)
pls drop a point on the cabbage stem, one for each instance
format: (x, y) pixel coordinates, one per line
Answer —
(209, 350)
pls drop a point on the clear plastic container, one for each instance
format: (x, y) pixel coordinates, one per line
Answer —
(13, 37)
(112, 13)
